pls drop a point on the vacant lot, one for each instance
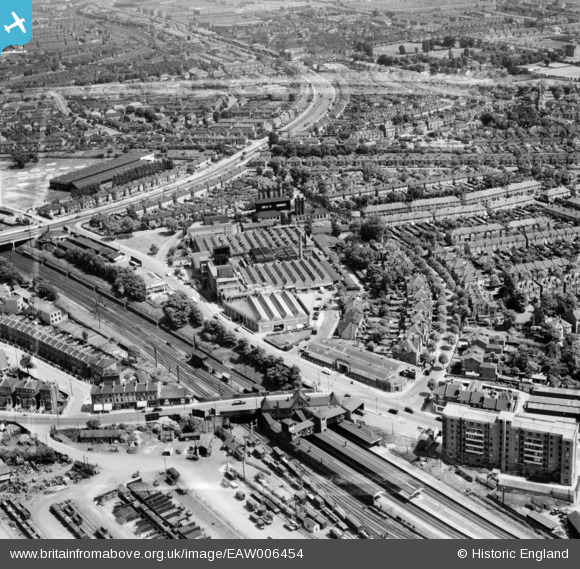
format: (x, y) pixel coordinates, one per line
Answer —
(27, 188)
(141, 241)
(288, 341)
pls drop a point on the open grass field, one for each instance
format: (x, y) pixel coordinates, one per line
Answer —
(564, 71)
(27, 188)
(141, 241)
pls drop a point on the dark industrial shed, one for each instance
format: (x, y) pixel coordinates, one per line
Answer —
(98, 174)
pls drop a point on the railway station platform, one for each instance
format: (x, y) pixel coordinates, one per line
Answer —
(427, 480)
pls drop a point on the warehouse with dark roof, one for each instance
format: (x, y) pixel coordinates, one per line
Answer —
(99, 174)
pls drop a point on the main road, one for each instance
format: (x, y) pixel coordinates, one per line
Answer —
(322, 101)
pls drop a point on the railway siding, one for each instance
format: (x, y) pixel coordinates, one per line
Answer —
(453, 495)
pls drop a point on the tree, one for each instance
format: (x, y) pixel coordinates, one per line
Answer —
(154, 249)
(127, 226)
(438, 326)
(111, 227)
(243, 348)
(425, 357)
(9, 274)
(229, 339)
(538, 316)
(85, 336)
(178, 309)
(21, 158)
(360, 256)
(131, 285)
(509, 319)
(372, 229)
(26, 361)
(45, 290)
(549, 333)
(517, 301)
(335, 228)
(294, 376)
(195, 315)
(385, 60)
(93, 424)
(443, 359)
(435, 336)
(521, 358)
(402, 49)
(558, 304)
(571, 354)
(172, 224)
(132, 212)
(494, 280)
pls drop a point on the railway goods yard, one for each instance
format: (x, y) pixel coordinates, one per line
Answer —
(341, 489)
(291, 271)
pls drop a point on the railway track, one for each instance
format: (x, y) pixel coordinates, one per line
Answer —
(396, 474)
(170, 351)
(330, 461)
(375, 524)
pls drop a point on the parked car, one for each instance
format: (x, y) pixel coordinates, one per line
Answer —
(394, 411)
(409, 410)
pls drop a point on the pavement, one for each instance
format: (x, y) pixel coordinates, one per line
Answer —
(323, 98)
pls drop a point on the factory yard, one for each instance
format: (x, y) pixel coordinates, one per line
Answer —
(305, 271)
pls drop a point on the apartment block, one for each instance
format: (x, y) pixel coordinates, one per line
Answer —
(524, 444)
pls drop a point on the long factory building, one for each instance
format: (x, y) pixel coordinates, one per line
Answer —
(101, 173)
(364, 366)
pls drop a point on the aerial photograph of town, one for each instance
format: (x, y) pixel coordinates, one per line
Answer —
(298, 270)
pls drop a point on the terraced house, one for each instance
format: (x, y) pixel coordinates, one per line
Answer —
(57, 348)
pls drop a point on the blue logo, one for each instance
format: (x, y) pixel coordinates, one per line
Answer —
(15, 22)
